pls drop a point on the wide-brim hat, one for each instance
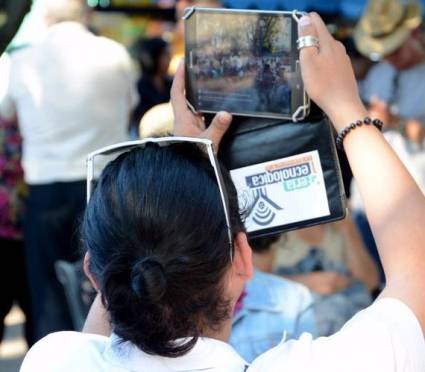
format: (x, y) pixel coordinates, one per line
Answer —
(385, 26)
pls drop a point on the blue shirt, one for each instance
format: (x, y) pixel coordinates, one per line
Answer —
(273, 308)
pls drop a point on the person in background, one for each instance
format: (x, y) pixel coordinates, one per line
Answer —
(270, 307)
(389, 30)
(394, 89)
(153, 56)
(333, 263)
(70, 93)
(13, 278)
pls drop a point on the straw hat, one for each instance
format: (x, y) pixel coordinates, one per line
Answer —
(385, 26)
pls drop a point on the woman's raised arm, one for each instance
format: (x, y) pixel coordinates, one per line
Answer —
(394, 204)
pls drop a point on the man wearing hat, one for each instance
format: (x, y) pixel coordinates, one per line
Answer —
(394, 88)
(389, 32)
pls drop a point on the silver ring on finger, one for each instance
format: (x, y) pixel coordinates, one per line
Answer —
(307, 42)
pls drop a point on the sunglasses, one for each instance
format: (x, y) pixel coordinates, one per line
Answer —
(204, 144)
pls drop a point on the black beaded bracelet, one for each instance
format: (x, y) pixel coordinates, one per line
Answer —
(366, 121)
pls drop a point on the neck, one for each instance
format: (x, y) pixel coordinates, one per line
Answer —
(223, 334)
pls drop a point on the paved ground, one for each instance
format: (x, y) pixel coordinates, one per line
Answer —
(13, 348)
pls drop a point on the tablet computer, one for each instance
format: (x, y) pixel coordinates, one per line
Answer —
(245, 62)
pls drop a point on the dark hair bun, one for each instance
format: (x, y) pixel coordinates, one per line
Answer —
(159, 247)
(148, 280)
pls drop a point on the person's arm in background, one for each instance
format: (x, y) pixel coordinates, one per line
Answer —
(322, 282)
(358, 260)
(394, 204)
(414, 130)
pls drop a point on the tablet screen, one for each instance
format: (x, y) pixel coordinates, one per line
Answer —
(241, 62)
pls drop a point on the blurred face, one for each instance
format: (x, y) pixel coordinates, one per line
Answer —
(409, 54)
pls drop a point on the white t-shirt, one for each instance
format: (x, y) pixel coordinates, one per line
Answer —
(72, 93)
(385, 337)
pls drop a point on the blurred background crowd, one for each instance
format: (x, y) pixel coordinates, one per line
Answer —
(80, 75)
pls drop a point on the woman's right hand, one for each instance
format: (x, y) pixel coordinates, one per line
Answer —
(328, 75)
(189, 124)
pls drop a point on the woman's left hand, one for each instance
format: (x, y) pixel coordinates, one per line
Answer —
(188, 124)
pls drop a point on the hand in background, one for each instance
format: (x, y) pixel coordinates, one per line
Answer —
(380, 110)
(415, 131)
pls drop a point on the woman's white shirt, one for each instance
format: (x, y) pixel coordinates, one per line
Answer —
(79, 352)
(384, 337)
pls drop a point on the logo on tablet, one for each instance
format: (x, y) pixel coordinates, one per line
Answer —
(257, 205)
(293, 175)
(281, 192)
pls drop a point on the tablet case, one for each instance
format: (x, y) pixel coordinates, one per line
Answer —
(287, 174)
